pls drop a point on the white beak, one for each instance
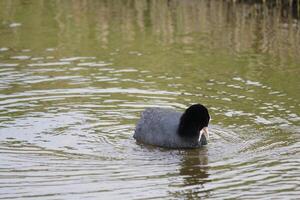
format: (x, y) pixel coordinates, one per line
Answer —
(205, 132)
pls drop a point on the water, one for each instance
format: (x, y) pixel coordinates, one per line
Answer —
(75, 75)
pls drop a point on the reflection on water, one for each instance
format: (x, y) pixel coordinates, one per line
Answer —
(194, 171)
(75, 75)
(194, 168)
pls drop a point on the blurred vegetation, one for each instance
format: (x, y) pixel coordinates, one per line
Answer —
(270, 27)
(261, 37)
(198, 42)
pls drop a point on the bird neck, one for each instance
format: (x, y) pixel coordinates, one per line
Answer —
(188, 130)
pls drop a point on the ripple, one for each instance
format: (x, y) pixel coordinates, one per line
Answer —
(93, 64)
(3, 49)
(14, 25)
(76, 58)
(20, 57)
(8, 64)
(48, 64)
(66, 128)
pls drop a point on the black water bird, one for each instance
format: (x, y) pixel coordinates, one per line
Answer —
(168, 128)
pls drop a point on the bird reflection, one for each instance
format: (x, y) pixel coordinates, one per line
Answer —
(194, 167)
(194, 171)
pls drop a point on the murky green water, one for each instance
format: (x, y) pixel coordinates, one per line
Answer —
(75, 75)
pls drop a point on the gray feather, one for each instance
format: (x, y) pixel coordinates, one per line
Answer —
(158, 126)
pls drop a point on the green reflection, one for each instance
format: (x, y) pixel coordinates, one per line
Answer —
(207, 38)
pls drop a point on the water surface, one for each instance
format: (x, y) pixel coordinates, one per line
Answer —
(75, 75)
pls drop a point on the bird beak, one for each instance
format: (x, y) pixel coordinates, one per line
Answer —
(205, 132)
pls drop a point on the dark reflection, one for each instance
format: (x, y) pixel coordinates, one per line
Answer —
(194, 167)
(194, 171)
(285, 7)
(236, 25)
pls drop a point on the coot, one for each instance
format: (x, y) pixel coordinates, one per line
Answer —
(168, 128)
